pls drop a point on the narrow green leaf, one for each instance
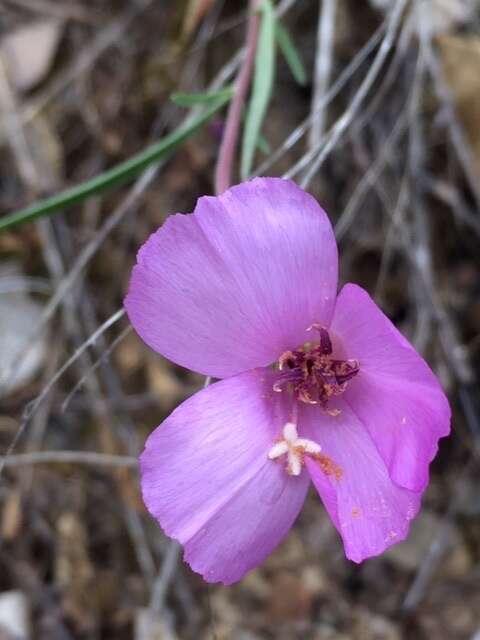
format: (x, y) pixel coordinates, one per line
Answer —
(261, 87)
(291, 54)
(263, 146)
(192, 99)
(117, 175)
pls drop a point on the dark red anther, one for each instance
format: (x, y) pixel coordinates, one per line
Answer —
(312, 373)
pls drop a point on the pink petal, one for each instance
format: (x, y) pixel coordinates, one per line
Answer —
(207, 479)
(370, 511)
(237, 283)
(396, 395)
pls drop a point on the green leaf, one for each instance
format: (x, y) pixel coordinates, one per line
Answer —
(192, 99)
(291, 54)
(261, 87)
(263, 146)
(117, 175)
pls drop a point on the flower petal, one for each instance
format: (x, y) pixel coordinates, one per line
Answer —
(395, 395)
(237, 283)
(370, 511)
(207, 479)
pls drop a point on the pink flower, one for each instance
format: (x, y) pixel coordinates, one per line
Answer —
(314, 386)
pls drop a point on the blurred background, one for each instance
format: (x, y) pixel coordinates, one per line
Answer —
(385, 113)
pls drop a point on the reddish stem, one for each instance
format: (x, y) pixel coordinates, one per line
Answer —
(223, 170)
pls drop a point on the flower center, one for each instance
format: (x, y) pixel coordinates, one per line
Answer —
(311, 372)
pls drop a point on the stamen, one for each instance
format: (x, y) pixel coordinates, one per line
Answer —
(312, 374)
(325, 342)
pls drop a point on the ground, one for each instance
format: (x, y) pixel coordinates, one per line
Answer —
(400, 184)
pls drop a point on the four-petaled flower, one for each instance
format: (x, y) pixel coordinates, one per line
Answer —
(314, 386)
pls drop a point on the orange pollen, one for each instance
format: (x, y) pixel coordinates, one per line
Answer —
(328, 466)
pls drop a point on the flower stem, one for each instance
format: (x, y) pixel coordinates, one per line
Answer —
(223, 170)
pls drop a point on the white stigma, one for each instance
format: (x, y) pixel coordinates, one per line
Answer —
(294, 447)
